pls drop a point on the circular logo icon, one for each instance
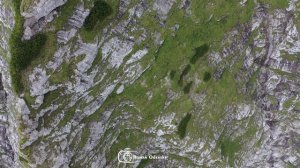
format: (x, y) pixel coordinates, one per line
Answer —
(128, 156)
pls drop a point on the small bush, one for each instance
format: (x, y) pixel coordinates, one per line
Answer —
(206, 77)
(187, 88)
(200, 52)
(185, 71)
(183, 125)
(172, 74)
(99, 13)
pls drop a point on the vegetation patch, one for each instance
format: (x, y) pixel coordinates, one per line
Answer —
(22, 52)
(84, 137)
(64, 74)
(99, 12)
(144, 163)
(126, 139)
(288, 103)
(200, 52)
(228, 150)
(172, 74)
(50, 98)
(65, 12)
(25, 4)
(183, 125)
(206, 77)
(187, 88)
(68, 116)
(96, 62)
(23, 161)
(275, 4)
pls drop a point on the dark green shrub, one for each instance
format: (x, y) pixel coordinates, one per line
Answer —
(22, 52)
(172, 74)
(185, 71)
(183, 125)
(144, 163)
(99, 12)
(206, 77)
(187, 88)
(199, 52)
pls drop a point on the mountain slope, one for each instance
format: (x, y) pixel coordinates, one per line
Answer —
(206, 83)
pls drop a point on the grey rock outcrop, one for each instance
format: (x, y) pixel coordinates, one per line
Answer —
(9, 147)
(39, 9)
(38, 14)
(7, 153)
(275, 34)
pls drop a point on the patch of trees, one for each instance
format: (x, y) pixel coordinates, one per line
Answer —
(199, 52)
(99, 13)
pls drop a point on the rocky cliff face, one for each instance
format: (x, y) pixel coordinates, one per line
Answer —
(130, 82)
(273, 57)
(9, 107)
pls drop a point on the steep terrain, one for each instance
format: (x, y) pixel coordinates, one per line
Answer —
(208, 83)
